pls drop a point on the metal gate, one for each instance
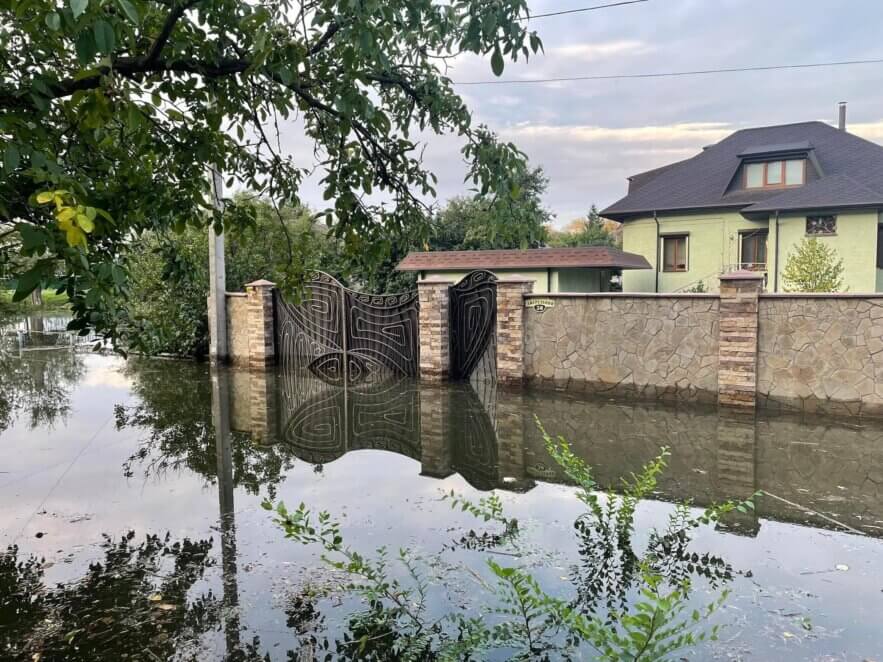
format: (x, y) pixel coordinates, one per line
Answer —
(346, 337)
(473, 304)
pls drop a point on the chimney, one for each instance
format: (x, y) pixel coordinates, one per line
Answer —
(842, 123)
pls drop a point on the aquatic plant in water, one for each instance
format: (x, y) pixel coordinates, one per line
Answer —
(629, 603)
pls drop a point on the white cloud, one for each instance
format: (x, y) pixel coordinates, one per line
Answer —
(867, 130)
(599, 50)
(690, 132)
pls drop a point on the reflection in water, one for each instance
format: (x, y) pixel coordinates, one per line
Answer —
(38, 388)
(242, 434)
(136, 599)
(831, 468)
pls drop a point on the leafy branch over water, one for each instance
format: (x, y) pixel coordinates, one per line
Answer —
(628, 604)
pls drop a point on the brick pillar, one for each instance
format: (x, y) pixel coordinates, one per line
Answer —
(435, 443)
(261, 340)
(510, 329)
(737, 468)
(435, 335)
(737, 335)
(263, 414)
(511, 417)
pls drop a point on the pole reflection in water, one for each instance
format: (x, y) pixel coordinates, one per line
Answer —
(220, 380)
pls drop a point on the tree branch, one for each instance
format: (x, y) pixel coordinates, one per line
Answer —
(159, 43)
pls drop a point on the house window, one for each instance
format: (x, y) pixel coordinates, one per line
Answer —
(821, 225)
(674, 253)
(775, 174)
(752, 250)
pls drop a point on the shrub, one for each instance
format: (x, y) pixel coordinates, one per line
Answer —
(629, 603)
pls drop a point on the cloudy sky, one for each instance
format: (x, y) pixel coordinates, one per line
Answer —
(589, 136)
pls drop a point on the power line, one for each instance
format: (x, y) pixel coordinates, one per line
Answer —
(576, 11)
(670, 74)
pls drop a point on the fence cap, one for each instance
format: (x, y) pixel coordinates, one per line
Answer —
(742, 274)
(261, 283)
(435, 280)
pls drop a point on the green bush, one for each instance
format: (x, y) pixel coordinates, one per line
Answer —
(630, 603)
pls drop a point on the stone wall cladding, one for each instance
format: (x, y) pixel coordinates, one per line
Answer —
(650, 347)
(434, 330)
(510, 330)
(821, 353)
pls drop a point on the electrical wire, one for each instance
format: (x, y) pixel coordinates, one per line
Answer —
(583, 9)
(670, 74)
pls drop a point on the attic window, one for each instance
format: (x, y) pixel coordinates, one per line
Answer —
(775, 174)
(821, 225)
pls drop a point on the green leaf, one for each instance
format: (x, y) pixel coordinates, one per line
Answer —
(11, 158)
(78, 7)
(27, 283)
(85, 45)
(497, 62)
(53, 21)
(105, 39)
(32, 237)
(129, 10)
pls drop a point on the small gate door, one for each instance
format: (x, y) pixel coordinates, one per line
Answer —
(473, 304)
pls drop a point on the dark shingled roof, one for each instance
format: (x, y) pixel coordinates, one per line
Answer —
(599, 257)
(843, 171)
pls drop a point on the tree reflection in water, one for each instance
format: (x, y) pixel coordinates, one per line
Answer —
(38, 385)
(189, 424)
(135, 603)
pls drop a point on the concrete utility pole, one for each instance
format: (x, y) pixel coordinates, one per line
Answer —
(217, 303)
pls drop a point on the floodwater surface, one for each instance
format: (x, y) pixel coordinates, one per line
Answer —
(131, 524)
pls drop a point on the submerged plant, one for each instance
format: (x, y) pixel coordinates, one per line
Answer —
(628, 603)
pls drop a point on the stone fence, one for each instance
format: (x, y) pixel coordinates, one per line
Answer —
(741, 347)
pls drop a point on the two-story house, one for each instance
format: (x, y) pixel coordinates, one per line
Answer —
(748, 200)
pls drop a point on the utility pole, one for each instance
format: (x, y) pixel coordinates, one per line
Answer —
(217, 300)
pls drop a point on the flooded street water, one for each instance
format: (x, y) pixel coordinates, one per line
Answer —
(154, 471)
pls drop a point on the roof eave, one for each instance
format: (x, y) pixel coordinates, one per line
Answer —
(751, 211)
(631, 214)
(465, 267)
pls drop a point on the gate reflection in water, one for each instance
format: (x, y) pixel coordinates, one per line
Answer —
(490, 438)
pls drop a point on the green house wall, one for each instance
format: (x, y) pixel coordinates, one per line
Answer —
(713, 246)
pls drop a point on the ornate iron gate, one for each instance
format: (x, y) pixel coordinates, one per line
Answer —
(347, 337)
(473, 304)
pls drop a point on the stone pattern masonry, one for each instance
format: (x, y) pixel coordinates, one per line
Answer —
(646, 346)
(821, 353)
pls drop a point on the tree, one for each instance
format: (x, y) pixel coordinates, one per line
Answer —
(168, 279)
(814, 267)
(477, 223)
(111, 111)
(589, 231)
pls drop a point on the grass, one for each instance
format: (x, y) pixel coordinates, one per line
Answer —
(51, 301)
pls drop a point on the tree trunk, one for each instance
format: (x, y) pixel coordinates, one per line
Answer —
(37, 297)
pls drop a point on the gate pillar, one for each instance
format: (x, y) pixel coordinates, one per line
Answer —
(435, 329)
(261, 337)
(510, 329)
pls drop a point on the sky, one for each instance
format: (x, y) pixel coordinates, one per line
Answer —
(590, 136)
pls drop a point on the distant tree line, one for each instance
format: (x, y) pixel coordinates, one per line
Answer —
(169, 278)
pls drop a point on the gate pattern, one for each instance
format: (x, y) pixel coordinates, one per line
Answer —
(347, 337)
(473, 303)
